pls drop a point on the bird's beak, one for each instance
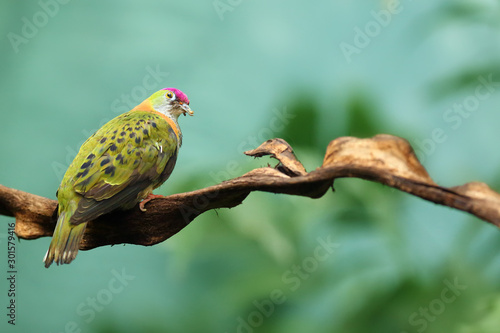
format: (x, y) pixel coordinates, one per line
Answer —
(186, 109)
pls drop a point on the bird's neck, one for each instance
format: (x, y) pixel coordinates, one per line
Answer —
(165, 114)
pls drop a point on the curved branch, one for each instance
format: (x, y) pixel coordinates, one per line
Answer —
(385, 159)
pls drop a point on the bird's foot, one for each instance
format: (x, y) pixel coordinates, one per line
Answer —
(148, 199)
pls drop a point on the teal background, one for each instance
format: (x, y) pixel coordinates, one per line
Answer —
(394, 256)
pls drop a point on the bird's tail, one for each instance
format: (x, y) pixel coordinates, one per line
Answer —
(65, 241)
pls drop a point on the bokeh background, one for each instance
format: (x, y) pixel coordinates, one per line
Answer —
(254, 70)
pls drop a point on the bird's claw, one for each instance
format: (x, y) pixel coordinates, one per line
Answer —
(148, 199)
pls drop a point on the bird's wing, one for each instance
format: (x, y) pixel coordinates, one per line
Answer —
(132, 153)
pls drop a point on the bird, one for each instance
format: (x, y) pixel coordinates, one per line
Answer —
(118, 167)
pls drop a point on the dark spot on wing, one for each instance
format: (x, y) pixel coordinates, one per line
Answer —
(86, 165)
(138, 140)
(82, 174)
(104, 161)
(131, 135)
(120, 140)
(103, 139)
(113, 147)
(84, 183)
(145, 131)
(110, 170)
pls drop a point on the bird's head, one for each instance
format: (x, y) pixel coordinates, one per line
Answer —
(171, 102)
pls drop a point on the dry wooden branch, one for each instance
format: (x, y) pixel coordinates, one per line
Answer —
(384, 159)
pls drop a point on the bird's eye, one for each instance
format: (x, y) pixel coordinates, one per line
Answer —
(169, 94)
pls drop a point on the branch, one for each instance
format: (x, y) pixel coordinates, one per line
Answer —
(385, 159)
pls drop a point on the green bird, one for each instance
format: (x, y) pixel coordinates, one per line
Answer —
(117, 167)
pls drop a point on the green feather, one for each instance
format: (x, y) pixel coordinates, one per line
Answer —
(115, 168)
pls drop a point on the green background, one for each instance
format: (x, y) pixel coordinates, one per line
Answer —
(335, 68)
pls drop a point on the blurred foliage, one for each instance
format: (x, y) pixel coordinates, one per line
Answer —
(262, 266)
(466, 79)
(361, 116)
(302, 130)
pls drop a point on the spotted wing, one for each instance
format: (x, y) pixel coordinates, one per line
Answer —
(124, 160)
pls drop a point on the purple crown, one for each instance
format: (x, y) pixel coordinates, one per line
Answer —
(179, 94)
